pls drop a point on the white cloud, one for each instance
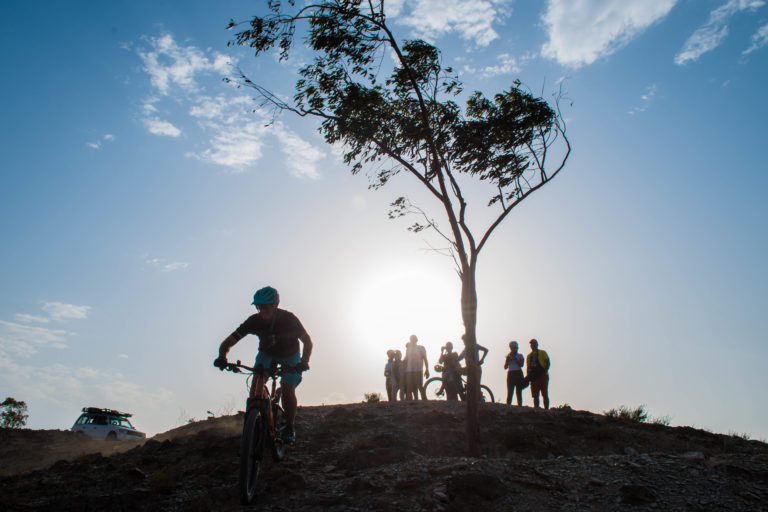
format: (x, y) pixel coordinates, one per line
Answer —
(61, 311)
(759, 39)
(471, 19)
(97, 144)
(170, 65)
(300, 156)
(645, 100)
(23, 317)
(507, 65)
(166, 267)
(25, 340)
(709, 36)
(176, 265)
(235, 135)
(580, 32)
(157, 126)
(74, 387)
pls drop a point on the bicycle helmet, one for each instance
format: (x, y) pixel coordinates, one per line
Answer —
(266, 295)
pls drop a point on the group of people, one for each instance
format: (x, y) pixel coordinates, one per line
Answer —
(403, 376)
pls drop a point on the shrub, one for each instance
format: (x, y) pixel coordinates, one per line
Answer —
(14, 413)
(638, 414)
(372, 398)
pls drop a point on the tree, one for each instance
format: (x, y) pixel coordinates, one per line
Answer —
(14, 413)
(406, 119)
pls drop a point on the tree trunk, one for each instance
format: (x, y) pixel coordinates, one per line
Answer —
(469, 316)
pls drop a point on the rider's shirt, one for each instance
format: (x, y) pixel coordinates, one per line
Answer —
(278, 337)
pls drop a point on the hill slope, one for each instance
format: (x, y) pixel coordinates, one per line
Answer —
(399, 457)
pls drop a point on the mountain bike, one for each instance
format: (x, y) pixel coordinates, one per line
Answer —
(263, 425)
(435, 388)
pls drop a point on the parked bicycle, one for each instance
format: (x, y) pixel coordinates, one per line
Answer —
(263, 425)
(435, 388)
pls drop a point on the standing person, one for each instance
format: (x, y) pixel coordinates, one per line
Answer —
(389, 375)
(279, 333)
(479, 348)
(415, 356)
(451, 368)
(514, 363)
(537, 364)
(399, 370)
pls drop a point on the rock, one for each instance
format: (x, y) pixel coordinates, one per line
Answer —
(636, 495)
(486, 486)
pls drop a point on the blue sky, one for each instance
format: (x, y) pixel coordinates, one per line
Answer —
(143, 200)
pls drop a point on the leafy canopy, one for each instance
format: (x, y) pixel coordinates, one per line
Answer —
(406, 117)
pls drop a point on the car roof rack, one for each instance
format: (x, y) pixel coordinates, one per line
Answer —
(96, 410)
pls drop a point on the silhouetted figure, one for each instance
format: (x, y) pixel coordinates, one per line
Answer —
(479, 348)
(415, 357)
(514, 363)
(398, 368)
(537, 364)
(451, 369)
(389, 375)
(279, 333)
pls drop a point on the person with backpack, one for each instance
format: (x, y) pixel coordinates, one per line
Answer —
(537, 364)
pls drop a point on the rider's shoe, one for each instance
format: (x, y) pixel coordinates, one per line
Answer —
(289, 435)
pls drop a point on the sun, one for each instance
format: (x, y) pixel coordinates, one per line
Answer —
(408, 299)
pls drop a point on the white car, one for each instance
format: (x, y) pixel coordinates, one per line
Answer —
(106, 424)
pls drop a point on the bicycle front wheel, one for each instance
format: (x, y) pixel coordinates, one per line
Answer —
(486, 395)
(251, 453)
(432, 387)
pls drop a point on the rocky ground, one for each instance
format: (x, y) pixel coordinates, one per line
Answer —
(398, 457)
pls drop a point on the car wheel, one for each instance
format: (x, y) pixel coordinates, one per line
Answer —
(111, 436)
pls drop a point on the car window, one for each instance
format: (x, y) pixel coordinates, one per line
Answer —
(81, 419)
(114, 421)
(100, 420)
(125, 423)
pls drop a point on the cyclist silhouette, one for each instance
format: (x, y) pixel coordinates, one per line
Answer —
(279, 333)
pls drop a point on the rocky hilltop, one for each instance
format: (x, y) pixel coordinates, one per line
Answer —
(398, 457)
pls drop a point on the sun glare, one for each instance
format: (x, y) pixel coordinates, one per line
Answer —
(409, 300)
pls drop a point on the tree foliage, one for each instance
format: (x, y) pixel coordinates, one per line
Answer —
(395, 108)
(14, 413)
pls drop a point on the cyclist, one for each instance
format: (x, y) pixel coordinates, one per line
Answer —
(451, 370)
(279, 333)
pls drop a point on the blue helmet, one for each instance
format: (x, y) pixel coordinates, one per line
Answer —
(266, 295)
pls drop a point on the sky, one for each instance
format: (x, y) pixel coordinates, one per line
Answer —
(143, 200)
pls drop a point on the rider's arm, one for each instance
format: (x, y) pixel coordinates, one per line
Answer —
(426, 363)
(307, 347)
(485, 353)
(228, 343)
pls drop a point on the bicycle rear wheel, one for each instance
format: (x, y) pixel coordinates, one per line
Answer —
(278, 444)
(251, 453)
(432, 386)
(486, 395)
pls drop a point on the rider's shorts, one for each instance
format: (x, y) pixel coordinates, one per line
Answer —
(292, 378)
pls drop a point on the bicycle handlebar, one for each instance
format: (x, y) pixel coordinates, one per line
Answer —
(273, 371)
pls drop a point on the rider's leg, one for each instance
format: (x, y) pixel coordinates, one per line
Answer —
(289, 404)
(510, 388)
